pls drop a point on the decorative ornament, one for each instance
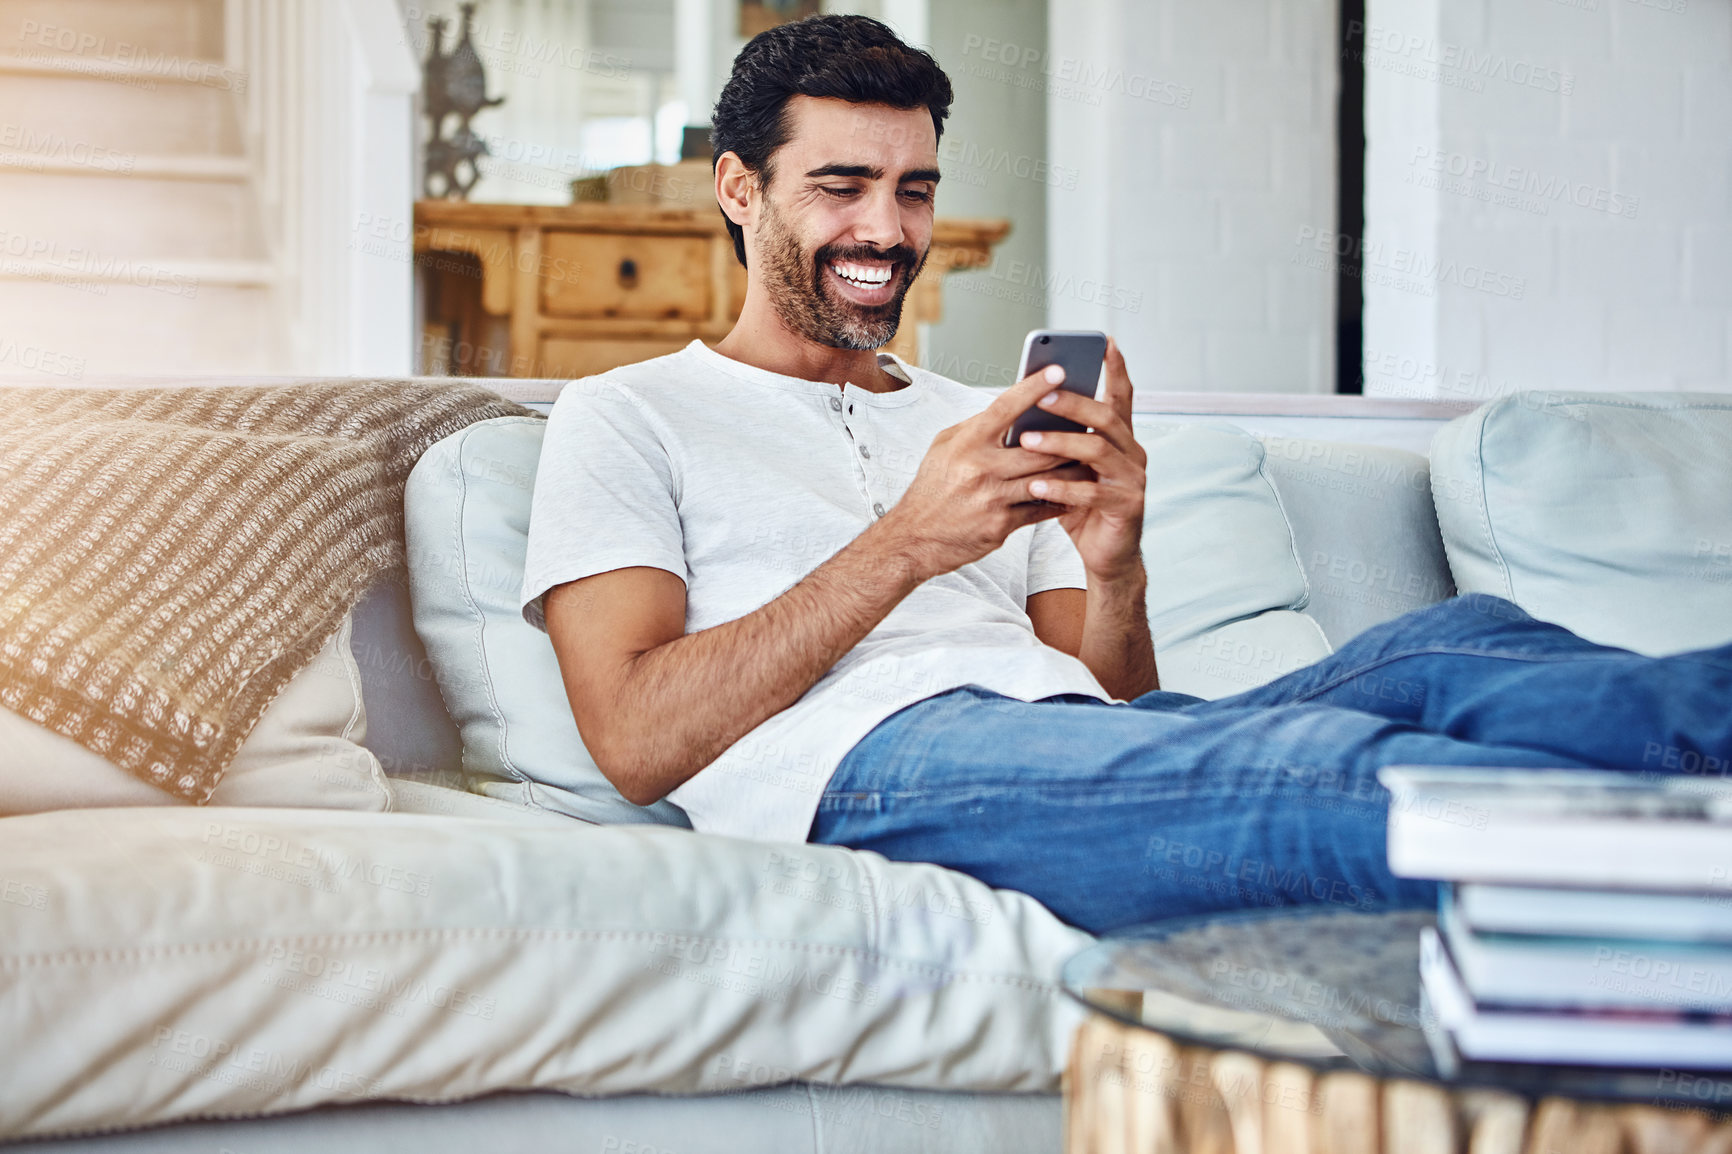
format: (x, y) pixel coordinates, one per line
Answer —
(454, 84)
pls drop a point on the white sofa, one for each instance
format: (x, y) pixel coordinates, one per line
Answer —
(162, 966)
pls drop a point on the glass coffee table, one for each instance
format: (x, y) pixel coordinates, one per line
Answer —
(1304, 1030)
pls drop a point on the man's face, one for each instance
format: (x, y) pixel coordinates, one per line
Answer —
(846, 219)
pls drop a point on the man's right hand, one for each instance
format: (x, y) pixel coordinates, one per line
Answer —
(971, 492)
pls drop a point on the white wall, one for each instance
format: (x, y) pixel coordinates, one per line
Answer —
(328, 123)
(996, 163)
(911, 19)
(1202, 135)
(1548, 195)
(379, 315)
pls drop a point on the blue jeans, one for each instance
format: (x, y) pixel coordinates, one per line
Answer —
(1114, 815)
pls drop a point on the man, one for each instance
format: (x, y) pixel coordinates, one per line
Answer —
(803, 590)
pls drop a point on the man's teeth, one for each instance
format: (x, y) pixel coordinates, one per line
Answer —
(861, 274)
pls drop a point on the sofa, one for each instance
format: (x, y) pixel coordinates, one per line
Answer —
(430, 924)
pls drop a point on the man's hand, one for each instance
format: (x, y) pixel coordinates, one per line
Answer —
(971, 492)
(1103, 513)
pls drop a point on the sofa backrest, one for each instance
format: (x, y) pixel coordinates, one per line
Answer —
(1364, 530)
(408, 728)
(1341, 487)
(1347, 476)
(1266, 552)
(1354, 560)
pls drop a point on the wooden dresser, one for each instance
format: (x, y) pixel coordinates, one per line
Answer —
(570, 290)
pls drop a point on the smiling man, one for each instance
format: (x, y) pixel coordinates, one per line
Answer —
(802, 588)
(793, 517)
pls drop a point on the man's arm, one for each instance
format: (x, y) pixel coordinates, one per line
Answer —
(1104, 517)
(655, 704)
(1106, 627)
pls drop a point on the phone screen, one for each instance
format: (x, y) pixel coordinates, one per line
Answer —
(1080, 354)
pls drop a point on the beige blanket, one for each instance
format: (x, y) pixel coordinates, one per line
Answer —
(171, 557)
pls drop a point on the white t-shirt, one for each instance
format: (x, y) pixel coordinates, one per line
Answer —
(740, 482)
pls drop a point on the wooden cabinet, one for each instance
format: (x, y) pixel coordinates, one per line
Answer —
(611, 274)
(570, 290)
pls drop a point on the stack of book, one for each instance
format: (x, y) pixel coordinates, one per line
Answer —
(1586, 918)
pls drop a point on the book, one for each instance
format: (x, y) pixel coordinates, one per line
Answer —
(1581, 1038)
(1604, 973)
(1580, 828)
(1490, 908)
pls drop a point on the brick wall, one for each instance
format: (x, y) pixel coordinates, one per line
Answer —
(1198, 140)
(1548, 196)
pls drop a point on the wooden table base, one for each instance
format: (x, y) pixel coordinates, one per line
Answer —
(1133, 1091)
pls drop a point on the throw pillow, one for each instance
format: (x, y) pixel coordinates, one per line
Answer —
(305, 752)
(1225, 581)
(1607, 513)
(466, 511)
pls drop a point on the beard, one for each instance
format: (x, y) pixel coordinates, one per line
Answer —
(807, 305)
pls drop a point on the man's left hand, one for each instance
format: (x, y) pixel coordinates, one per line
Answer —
(1104, 498)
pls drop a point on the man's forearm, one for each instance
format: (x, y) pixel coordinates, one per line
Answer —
(692, 698)
(1116, 645)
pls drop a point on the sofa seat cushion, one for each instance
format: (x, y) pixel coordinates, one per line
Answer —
(305, 752)
(466, 513)
(165, 964)
(1610, 514)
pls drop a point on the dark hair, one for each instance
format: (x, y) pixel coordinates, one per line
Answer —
(852, 58)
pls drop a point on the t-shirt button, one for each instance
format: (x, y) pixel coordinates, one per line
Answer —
(865, 452)
(836, 403)
(878, 508)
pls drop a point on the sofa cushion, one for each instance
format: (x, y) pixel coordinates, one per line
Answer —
(304, 752)
(1215, 540)
(1363, 529)
(1610, 514)
(466, 507)
(1224, 577)
(166, 964)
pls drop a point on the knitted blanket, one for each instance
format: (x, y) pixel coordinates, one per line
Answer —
(171, 557)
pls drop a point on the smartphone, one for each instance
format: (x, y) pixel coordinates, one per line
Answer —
(1080, 354)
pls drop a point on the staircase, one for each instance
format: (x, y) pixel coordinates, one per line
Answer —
(130, 231)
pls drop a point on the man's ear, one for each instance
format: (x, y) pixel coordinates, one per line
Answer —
(737, 190)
